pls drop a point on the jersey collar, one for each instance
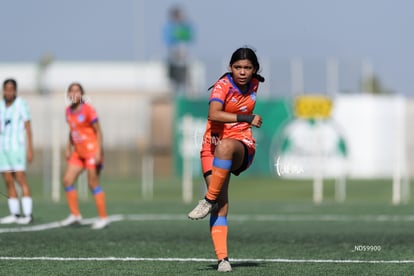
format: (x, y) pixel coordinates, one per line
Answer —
(230, 78)
(77, 111)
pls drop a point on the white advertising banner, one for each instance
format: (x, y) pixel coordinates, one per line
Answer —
(374, 130)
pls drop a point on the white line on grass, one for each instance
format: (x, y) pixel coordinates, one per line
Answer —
(284, 217)
(135, 259)
(259, 218)
(34, 228)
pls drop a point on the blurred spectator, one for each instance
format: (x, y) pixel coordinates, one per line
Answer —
(178, 35)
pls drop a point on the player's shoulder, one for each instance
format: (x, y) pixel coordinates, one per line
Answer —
(87, 107)
(90, 112)
(223, 81)
(19, 101)
(222, 85)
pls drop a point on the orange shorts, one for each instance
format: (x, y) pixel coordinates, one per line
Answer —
(88, 163)
(207, 156)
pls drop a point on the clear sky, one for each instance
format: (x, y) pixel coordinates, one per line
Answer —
(376, 30)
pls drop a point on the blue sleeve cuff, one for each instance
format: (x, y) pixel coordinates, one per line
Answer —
(216, 100)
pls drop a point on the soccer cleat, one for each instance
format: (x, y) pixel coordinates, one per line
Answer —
(25, 220)
(224, 266)
(71, 219)
(201, 210)
(9, 219)
(101, 223)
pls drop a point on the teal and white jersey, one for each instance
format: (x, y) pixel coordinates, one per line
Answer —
(12, 119)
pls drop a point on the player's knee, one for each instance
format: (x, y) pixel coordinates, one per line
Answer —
(225, 148)
(222, 209)
(67, 181)
(93, 177)
(8, 179)
(20, 178)
(11, 187)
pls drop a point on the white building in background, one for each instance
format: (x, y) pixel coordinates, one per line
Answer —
(102, 77)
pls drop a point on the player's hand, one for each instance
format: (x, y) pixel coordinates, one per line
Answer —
(98, 157)
(68, 153)
(257, 121)
(29, 155)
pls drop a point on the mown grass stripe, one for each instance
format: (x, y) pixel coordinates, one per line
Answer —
(259, 218)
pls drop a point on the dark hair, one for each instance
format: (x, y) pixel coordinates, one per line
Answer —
(78, 85)
(249, 54)
(12, 81)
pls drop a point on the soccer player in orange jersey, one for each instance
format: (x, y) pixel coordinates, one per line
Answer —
(84, 151)
(228, 144)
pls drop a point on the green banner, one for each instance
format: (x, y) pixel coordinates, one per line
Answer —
(275, 114)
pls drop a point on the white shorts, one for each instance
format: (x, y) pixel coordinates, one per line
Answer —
(13, 160)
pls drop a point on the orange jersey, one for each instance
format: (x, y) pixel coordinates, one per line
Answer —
(234, 101)
(81, 130)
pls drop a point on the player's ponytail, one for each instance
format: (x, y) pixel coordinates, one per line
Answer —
(219, 79)
(259, 77)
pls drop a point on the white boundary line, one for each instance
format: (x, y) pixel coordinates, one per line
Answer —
(136, 259)
(258, 218)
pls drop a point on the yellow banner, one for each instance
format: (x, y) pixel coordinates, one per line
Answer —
(313, 107)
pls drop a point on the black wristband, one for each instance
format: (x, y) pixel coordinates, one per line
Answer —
(248, 118)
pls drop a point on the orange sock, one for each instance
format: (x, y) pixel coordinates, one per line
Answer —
(218, 230)
(219, 173)
(99, 196)
(72, 199)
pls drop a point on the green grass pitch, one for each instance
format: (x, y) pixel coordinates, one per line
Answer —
(274, 229)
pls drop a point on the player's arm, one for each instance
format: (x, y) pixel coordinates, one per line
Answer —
(216, 114)
(28, 129)
(69, 146)
(97, 129)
